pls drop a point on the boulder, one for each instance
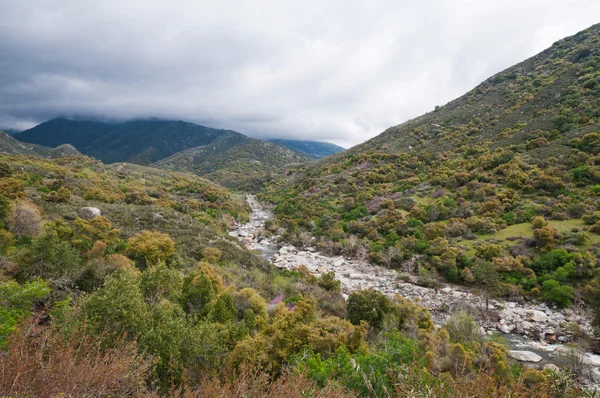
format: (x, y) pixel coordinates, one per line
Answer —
(524, 356)
(157, 216)
(526, 325)
(338, 263)
(506, 328)
(91, 212)
(537, 316)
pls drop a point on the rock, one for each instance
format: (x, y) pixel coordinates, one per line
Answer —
(338, 262)
(264, 242)
(563, 339)
(537, 316)
(526, 325)
(247, 241)
(568, 312)
(524, 356)
(551, 367)
(91, 212)
(506, 328)
(157, 216)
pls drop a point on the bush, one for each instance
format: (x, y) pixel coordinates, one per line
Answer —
(149, 247)
(328, 282)
(463, 329)
(24, 219)
(369, 306)
(557, 294)
(15, 303)
(6, 241)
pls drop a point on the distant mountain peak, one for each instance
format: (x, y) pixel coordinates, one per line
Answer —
(311, 149)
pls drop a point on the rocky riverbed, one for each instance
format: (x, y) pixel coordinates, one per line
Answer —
(533, 328)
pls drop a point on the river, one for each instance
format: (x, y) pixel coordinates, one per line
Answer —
(525, 326)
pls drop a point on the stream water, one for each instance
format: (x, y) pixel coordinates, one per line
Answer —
(512, 319)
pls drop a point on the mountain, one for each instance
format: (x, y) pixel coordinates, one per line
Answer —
(234, 163)
(225, 156)
(11, 146)
(136, 141)
(311, 149)
(486, 189)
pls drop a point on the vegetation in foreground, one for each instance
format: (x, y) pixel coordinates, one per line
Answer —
(152, 298)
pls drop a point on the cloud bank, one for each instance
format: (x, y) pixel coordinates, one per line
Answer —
(339, 71)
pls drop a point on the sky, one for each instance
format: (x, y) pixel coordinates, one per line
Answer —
(338, 70)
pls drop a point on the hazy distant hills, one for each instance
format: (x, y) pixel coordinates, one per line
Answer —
(311, 149)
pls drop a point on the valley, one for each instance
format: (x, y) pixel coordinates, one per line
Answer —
(536, 322)
(454, 254)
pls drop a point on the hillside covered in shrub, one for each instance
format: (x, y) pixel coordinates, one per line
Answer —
(498, 189)
(120, 280)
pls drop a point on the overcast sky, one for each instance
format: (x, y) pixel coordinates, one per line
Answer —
(335, 70)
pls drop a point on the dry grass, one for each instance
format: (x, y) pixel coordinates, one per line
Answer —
(41, 362)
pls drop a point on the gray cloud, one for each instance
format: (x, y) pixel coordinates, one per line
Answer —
(340, 70)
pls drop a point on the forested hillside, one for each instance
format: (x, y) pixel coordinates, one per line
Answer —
(497, 189)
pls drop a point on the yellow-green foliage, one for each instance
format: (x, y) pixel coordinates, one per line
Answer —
(149, 247)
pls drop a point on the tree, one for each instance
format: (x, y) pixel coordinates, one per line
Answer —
(160, 281)
(488, 279)
(389, 255)
(197, 294)
(50, 257)
(368, 305)
(24, 219)
(119, 306)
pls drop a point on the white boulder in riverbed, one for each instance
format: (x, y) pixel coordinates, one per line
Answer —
(524, 356)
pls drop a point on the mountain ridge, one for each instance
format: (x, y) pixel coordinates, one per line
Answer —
(311, 149)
